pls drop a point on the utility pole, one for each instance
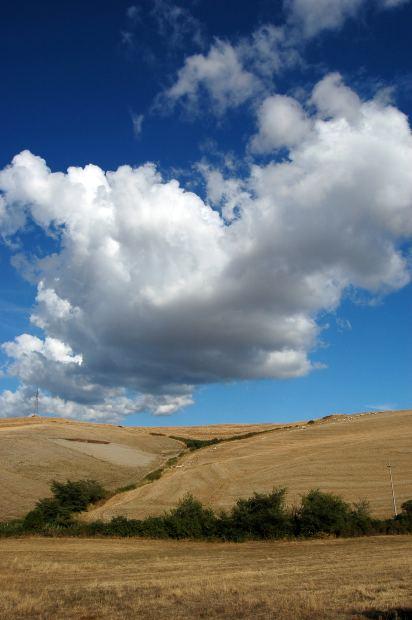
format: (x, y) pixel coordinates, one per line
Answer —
(36, 403)
(389, 466)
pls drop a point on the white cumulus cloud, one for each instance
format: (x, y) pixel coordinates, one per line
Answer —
(152, 292)
(220, 74)
(231, 74)
(281, 122)
(333, 98)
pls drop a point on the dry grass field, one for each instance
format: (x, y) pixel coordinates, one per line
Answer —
(33, 451)
(342, 454)
(72, 579)
(209, 431)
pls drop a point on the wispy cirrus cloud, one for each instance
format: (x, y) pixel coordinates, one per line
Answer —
(311, 17)
(172, 22)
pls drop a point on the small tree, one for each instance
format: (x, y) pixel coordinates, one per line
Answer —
(407, 507)
(322, 512)
(76, 496)
(48, 512)
(404, 519)
(361, 520)
(190, 520)
(260, 516)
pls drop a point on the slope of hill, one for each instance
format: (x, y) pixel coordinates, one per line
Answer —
(33, 451)
(343, 454)
(210, 431)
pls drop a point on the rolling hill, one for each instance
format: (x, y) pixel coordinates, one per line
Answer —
(340, 453)
(347, 455)
(34, 451)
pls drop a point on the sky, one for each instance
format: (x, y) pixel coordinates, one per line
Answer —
(205, 209)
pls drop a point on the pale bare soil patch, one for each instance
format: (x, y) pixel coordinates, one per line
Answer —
(111, 452)
(33, 451)
(119, 579)
(346, 455)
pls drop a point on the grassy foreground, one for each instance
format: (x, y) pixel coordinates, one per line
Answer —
(87, 579)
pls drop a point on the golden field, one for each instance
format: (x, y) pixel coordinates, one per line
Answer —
(347, 455)
(91, 579)
(343, 454)
(34, 451)
(72, 579)
(209, 431)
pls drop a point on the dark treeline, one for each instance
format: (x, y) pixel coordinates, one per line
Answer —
(263, 516)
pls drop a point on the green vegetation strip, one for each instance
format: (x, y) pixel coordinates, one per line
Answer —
(261, 517)
(196, 444)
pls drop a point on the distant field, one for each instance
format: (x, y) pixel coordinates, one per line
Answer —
(33, 451)
(49, 579)
(221, 431)
(342, 454)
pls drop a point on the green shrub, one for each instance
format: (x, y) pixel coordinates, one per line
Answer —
(361, 521)
(407, 507)
(154, 527)
(403, 521)
(76, 496)
(55, 513)
(322, 513)
(196, 444)
(128, 487)
(11, 528)
(48, 512)
(153, 475)
(260, 516)
(190, 520)
(121, 526)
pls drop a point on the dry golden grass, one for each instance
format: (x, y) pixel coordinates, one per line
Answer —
(72, 579)
(33, 451)
(210, 431)
(344, 454)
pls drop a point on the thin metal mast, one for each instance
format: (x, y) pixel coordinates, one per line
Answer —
(395, 512)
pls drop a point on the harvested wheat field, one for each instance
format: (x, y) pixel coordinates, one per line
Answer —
(210, 431)
(342, 454)
(33, 451)
(73, 579)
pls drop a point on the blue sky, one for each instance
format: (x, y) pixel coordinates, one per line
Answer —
(273, 283)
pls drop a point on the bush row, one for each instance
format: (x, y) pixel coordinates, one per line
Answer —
(196, 444)
(263, 516)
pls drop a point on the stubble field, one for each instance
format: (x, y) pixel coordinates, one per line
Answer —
(71, 579)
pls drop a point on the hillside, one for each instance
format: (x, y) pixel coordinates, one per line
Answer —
(209, 431)
(33, 451)
(343, 454)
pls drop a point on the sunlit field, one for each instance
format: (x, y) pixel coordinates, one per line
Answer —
(93, 579)
(347, 455)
